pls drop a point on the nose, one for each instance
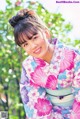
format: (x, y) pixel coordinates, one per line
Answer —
(32, 45)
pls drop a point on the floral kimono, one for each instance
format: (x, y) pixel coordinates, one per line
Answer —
(52, 90)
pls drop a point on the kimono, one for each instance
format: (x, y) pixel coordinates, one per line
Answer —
(52, 90)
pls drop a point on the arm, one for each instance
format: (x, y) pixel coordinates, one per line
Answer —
(34, 100)
(76, 88)
(76, 80)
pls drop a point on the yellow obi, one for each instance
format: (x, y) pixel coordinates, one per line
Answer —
(62, 97)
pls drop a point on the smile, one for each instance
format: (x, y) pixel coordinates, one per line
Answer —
(37, 51)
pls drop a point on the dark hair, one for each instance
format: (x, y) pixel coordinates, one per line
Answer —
(26, 23)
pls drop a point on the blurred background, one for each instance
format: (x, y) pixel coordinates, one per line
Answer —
(63, 21)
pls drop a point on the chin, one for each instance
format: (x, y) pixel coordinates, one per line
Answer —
(42, 55)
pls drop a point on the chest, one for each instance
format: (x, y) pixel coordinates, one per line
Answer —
(50, 76)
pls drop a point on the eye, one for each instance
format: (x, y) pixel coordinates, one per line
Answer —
(35, 37)
(25, 44)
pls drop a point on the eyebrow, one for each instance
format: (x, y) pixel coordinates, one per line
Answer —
(23, 43)
(29, 38)
(33, 35)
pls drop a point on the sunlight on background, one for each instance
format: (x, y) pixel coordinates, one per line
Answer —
(70, 12)
(3, 4)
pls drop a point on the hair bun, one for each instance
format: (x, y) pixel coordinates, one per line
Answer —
(22, 14)
(14, 20)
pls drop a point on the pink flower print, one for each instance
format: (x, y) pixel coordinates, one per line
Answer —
(51, 82)
(40, 62)
(76, 82)
(33, 84)
(33, 95)
(78, 96)
(57, 115)
(39, 77)
(24, 94)
(67, 61)
(43, 107)
(75, 114)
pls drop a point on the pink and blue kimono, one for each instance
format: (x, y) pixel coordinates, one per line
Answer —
(52, 90)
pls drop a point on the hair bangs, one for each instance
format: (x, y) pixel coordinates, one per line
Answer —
(26, 34)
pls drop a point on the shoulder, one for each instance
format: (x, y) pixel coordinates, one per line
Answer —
(29, 65)
(27, 61)
(61, 45)
(67, 51)
(26, 65)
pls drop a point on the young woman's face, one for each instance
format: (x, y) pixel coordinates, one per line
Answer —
(37, 46)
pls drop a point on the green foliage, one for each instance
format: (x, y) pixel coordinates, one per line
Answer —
(12, 56)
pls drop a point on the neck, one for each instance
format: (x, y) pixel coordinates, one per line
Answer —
(49, 54)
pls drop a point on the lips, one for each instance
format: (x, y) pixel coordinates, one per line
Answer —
(37, 51)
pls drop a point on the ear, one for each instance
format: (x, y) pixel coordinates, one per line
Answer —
(47, 34)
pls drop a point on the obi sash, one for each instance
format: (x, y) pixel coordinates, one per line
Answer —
(62, 97)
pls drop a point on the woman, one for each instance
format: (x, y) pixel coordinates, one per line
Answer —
(50, 79)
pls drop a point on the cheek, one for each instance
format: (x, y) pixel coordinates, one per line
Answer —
(27, 51)
(42, 42)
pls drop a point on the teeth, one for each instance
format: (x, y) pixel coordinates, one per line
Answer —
(37, 50)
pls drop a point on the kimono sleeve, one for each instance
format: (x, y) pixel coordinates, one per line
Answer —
(76, 79)
(75, 114)
(34, 99)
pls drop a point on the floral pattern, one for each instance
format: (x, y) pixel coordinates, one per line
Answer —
(67, 60)
(37, 75)
(40, 78)
(75, 114)
(51, 82)
(24, 94)
(43, 107)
